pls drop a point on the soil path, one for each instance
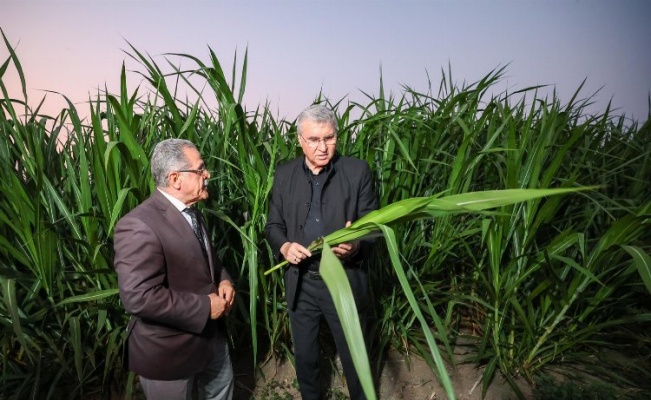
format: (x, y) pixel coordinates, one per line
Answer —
(400, 378)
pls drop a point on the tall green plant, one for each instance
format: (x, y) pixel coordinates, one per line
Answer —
(404, 210)
(509, 275)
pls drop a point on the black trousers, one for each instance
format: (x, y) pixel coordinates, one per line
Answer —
(313, 302)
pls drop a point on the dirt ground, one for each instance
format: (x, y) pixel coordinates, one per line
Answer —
(399, 379)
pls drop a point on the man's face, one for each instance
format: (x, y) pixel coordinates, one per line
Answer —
(192, 184)
(318, 141)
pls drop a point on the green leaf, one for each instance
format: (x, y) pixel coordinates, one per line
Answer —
(92, 296)
(643, 263)
(394, 255)
(9, 295)
(336, 280)
(75, 341)
(431, 207)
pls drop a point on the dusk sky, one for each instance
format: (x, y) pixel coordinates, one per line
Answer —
(299, 48)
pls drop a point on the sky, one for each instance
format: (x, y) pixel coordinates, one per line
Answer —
(297, 49)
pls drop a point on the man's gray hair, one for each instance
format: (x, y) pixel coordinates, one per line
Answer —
(169, 156)
(317, 113)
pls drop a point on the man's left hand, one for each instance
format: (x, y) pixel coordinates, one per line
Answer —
(226, 291)
(346, 250)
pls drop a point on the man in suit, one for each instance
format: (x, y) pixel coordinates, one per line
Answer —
(312, 196)
(174, 289)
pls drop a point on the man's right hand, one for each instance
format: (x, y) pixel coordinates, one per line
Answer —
(217, 306)
(294, 252)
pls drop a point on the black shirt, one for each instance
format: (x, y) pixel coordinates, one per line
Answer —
(314, 227)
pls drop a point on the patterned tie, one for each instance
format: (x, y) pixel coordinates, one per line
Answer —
(195, 217)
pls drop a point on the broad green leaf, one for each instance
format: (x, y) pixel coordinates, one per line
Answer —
(9, 297)
(77, 347)
(394, 254)
(430, 207)
(642, 262)
(336, 280)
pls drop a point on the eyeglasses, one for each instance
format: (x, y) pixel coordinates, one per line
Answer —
(314, 142)
(199, 171)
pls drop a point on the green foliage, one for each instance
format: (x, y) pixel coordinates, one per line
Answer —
(548, 389)
(379, 220)
(336, 280)
(537, 283)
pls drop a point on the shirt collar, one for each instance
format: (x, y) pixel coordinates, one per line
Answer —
(175, 202)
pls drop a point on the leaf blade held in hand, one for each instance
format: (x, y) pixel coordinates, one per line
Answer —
(431, 207)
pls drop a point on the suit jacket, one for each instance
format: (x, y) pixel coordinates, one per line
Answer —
(347, 195)
(164, 282)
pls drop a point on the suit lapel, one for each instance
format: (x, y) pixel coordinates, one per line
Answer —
(178, 223)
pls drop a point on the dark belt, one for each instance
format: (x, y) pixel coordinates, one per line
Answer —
(313, 275)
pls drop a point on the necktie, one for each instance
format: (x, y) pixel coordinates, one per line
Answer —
(195, 217)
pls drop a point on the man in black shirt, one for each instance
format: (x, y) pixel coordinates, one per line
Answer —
(312, 196)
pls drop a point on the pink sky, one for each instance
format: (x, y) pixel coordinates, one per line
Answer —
(299, 48)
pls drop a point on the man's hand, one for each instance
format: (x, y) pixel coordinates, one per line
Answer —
(218, 306)
(226, 291)
(294, 252)
(346, 250)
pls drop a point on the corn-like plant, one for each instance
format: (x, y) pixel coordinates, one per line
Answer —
(531, 284)
(379, 221)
